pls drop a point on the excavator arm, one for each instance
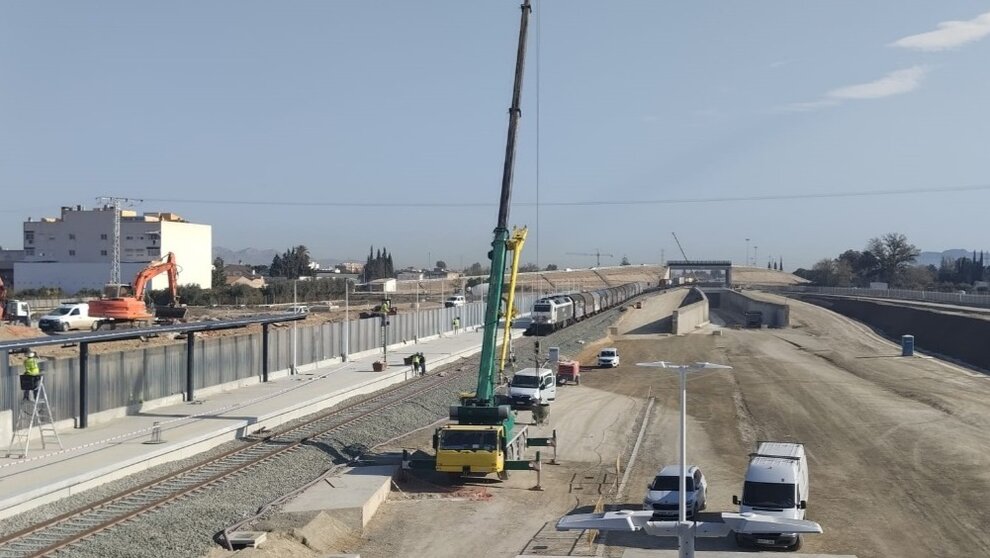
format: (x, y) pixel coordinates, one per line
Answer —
(167, 265)
(3, 298)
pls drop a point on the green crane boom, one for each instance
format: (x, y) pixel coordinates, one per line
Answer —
(487, 372)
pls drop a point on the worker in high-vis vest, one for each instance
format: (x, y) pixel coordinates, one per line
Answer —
(32, 370)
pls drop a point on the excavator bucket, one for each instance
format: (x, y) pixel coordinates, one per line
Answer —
(170, 312)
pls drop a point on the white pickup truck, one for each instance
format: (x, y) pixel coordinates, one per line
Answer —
(67, 317)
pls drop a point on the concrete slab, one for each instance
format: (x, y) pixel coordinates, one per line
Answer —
(352, 498)
(115, 449)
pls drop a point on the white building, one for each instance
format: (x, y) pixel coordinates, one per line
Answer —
(74, 251)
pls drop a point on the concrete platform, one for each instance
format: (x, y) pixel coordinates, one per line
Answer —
(115, 449)
(352, 497)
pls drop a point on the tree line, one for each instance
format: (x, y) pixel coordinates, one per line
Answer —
(891, 259)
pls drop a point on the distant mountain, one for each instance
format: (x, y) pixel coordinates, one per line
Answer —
(247, 256)
(935, 258)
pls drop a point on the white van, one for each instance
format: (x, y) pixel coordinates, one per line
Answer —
(67, 317)
(776, 485)
(530, 387)
(608, 357)
(454, 301)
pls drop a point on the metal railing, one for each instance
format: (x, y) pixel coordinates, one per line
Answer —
(960, 299)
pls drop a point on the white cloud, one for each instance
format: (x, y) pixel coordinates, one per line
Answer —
(948, 35)
(894, 83)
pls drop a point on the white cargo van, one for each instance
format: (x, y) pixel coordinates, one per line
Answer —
(532, 387)
(776, 485)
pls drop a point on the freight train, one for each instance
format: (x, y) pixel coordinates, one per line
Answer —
(554, 312)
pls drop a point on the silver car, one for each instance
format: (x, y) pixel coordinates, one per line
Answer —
(662, 493)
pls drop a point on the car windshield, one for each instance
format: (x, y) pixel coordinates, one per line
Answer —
(541, 308)
(608, 354)
(468, 440)
(768, 495)
(670, 483)
(520, 380)
(61, 311)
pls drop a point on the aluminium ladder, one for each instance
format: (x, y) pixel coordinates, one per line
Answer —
(30, 414)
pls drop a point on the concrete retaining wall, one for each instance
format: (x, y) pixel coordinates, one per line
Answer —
(954, 335)
(774, 315)
(692, 314)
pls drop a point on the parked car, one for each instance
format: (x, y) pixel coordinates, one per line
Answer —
(663, 494)
(299, 309)
(608, 357)
(454, 301)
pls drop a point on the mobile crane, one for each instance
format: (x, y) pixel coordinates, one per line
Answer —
(485, 438)
(131, 309)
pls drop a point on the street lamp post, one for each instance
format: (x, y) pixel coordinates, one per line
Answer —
(295, 335)
(629, 520)
(416, 328)
(347, 319)
(747, 252)
(685, 534)
(756, 259)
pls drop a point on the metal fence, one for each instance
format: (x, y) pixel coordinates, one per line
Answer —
(962, 299)
(129, 378)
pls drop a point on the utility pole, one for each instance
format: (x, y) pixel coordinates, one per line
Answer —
(116, 203)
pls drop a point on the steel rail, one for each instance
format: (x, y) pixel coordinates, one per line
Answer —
(52, 535)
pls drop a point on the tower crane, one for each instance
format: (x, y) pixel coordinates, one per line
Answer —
(597, 254)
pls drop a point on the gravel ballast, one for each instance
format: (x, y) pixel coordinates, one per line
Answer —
(187, 528)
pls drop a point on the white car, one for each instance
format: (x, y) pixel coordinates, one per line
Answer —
(608, 357)
(663, 494)
(454, 301)
(299, 309)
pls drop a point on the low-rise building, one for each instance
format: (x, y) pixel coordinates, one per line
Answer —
(75, 250)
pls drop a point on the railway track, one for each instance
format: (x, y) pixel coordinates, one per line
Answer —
(59, 534)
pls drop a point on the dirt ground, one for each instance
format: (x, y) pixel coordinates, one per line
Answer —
(897, 446)
(760, 276)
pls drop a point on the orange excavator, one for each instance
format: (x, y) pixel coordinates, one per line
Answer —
(131, 307)
(3, 299)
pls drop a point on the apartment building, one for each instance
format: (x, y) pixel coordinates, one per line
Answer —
(75, 250)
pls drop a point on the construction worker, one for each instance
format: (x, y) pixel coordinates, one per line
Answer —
(456, 324)
(386, 306)
(422, 364)
(415, 362)
(33, 373)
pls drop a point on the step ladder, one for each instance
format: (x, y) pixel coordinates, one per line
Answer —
(30, 414)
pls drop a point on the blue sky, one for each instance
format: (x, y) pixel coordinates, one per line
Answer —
(395, 101)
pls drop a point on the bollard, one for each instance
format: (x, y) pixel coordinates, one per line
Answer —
(537, 466)
(156, 434)
(907, 345)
